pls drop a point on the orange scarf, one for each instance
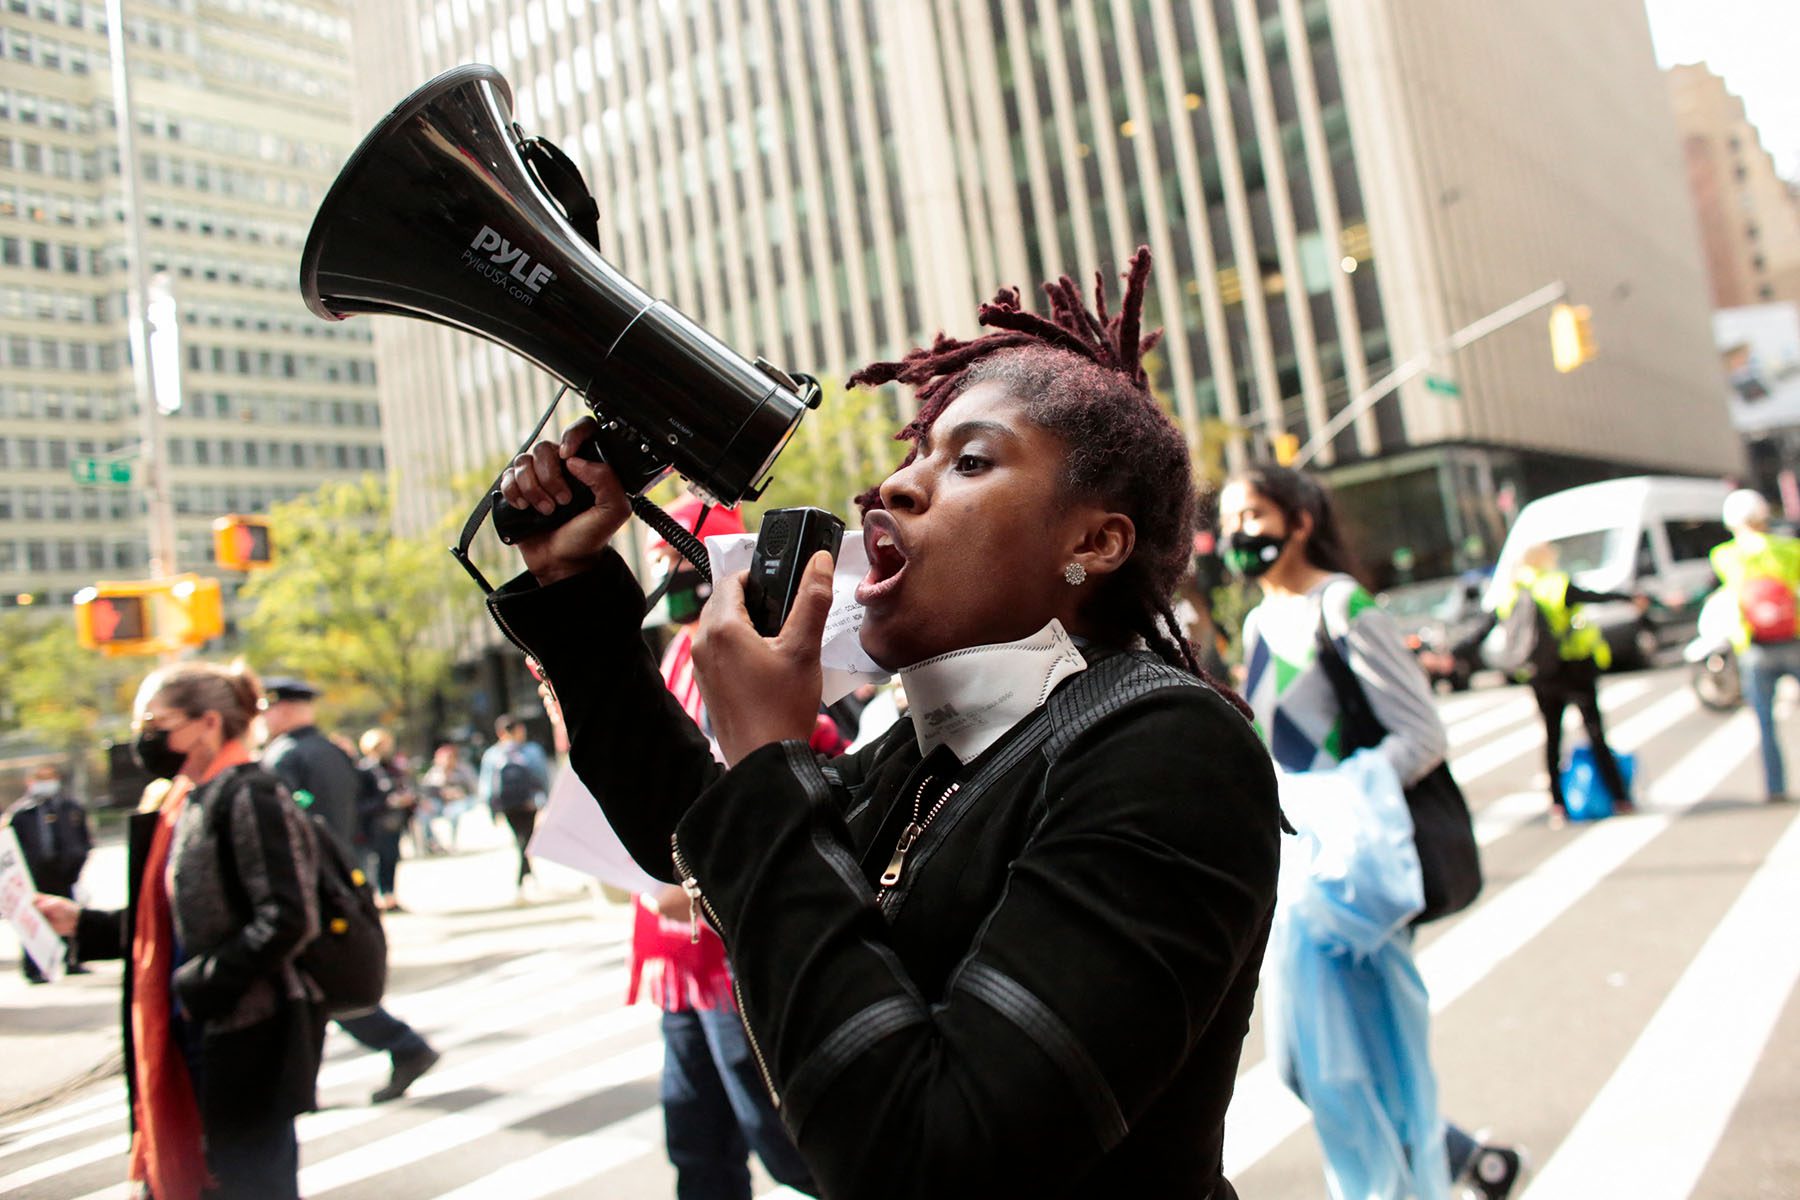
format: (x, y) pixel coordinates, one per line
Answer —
(167, 1150)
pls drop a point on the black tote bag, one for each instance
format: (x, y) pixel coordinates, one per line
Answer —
(1443, 831)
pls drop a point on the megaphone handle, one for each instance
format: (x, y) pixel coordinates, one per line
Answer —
(516, 524)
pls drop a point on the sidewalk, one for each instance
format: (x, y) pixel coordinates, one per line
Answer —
(461, 914)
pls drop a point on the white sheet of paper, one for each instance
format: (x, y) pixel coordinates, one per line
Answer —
(16, 889)
(847, 665)
(573, 832)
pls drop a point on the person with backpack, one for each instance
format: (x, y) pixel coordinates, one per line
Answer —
(1283, 532)
(326, 784)
(52, 829)
(1762, 572)
(223, 1028)
(1545, 640)
(515, 778)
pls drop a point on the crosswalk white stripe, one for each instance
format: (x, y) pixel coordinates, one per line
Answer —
(572, 991)
(1652, 1128)
(570, 1162)
(109, 1147)
(531, 977)
(111, 1095)
(1512, 711)
(112, 1191)
(1515, 705)
(490, 1116)
(1264, 1113)
(519, 1055)
(1455, 707)
(1500, 817)
(1491, 756)
(1496, 820)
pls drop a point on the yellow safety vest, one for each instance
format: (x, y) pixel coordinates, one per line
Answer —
(1576, 640)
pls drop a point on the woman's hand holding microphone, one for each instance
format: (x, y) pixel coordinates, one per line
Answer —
(757, 690)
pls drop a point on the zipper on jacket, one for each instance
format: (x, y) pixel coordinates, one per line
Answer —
(504, 627)
(914, 830)
(691, 886)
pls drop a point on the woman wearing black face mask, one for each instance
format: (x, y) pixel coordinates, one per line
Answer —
(1282, 530)
(222, 1032)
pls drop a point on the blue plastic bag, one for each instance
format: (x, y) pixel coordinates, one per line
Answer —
(1351, 872)
(1585, 791)
(1346, 1015)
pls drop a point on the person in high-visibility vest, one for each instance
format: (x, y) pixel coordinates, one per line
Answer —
(1762, 571)
(1582, 653)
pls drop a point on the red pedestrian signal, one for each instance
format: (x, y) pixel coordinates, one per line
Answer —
(117, 618)
(149, 616)
(114, 619)
(242, 543)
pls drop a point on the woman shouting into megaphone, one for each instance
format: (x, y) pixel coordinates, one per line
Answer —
(1011, 947)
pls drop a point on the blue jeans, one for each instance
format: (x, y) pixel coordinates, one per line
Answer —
(716, 1109)
(1762, 668)
(381, 1031)
(1460, 1149)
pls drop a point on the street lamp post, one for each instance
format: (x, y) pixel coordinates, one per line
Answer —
(1501, 317)
(137, 297)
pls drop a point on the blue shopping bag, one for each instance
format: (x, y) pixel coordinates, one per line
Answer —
(1584, 789)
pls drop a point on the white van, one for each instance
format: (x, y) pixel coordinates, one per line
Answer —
(1648, 534)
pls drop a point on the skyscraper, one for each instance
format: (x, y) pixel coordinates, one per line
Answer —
(242, 113)
(1749, 216)
(1332, 188)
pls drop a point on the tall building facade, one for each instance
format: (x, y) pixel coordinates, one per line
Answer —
(1749, 216)
(1332, 187)
(242, 110)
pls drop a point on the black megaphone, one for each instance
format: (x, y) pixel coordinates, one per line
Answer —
(444, 213)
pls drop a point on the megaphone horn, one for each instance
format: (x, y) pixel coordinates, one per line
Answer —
(437, 215)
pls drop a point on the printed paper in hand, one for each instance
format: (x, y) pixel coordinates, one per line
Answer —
(573, 832)
(16, 890)
(847, 665)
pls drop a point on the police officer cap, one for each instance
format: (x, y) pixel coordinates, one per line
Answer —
(284, 687)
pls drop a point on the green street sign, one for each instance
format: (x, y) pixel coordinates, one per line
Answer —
(1442, 386)
(116, 471)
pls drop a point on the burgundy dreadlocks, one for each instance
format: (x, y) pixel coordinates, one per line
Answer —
(1080, 375)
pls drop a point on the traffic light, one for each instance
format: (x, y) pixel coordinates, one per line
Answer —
(149, 616)
(242, 543)
(111, 621)
(1287, 448)
(1571, 336)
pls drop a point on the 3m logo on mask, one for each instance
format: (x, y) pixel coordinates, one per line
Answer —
(502, 262)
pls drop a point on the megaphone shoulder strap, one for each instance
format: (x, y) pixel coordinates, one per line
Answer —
(684, 540)
(562, 179)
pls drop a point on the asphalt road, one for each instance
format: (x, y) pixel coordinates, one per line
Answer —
(1621, 1002)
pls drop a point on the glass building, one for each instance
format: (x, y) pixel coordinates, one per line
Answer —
(1331, 187)
(242, 111)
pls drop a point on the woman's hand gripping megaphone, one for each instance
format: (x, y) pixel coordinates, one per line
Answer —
(542, 478)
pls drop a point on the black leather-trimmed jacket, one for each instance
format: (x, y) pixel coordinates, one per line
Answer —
(1055, 1002)
(244, 908)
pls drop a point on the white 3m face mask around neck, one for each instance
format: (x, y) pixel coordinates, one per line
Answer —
(968, 699)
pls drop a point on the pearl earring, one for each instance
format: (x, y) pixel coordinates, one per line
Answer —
(1075, 574)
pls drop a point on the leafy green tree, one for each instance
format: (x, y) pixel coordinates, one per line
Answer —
(358, 611)
(53, 692)
(839, 451)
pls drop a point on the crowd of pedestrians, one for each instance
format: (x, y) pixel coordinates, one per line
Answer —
(980, 1006)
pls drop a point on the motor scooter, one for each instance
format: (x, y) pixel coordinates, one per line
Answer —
(1714, 670)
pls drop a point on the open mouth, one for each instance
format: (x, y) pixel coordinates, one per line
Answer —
(887, 558)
